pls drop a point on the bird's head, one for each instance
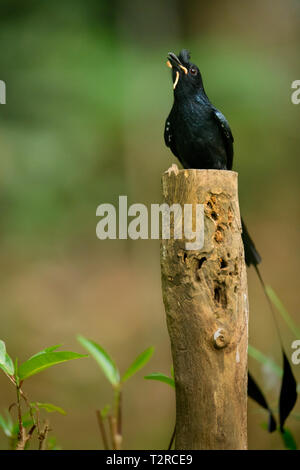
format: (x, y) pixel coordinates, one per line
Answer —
(186, 76)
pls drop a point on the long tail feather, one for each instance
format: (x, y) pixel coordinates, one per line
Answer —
(288, 392)
(252, 257)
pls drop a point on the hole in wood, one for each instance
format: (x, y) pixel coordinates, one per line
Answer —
(223, 263)
(200, 262)
(220, 294)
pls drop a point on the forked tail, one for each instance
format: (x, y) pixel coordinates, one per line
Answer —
(288, 392)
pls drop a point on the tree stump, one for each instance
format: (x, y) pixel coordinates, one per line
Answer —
(206, 303)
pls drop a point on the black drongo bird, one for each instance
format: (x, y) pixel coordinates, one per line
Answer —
(197, 133)
(200, 137)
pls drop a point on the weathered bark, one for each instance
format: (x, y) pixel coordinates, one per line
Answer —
(206, 303)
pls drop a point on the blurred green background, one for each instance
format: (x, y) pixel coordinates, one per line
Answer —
(88, 93)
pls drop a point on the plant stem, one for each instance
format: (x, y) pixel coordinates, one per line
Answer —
(43, 437)
(113, 431)
(172, 438)
(102, 430)
(118, 417)
(22, 433)
(119, 413)
(23, 437)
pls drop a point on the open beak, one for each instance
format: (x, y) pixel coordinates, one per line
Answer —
(174, 62)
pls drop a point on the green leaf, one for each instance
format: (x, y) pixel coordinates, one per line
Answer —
(105, 362)
(7, 426)
(139, 362)
(287, 437)
(52, 444)
(27, 423)
(17, 378)
(283, 312)
(161, 378)
(49, 349)
(42, 361)
(104, 412)
(8, 365)
(52, 348)
(49, 407)
(2, 352)
(260, 357)
(288, 440)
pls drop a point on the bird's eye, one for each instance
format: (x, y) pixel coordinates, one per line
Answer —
(193, 71)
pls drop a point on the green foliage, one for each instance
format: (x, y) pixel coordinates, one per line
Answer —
(6, 424)
(111, 372)
(265, 360)
(21, 431)
(52, 444)
(286, 436)
(288, 440)
(283, 312)
(8, 366)
(105, 362)
(36, 363)
(104, 412)
(48, 350)
(258, 355)
(49, 407)
(161, 378)
(11, 428)
(43, 360)
(139, 362)
(6, 363)
(2, 352)
(27, 422)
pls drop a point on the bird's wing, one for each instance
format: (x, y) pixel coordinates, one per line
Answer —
(169, 135)
(227, 136)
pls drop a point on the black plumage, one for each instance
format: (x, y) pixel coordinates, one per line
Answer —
(197, 133)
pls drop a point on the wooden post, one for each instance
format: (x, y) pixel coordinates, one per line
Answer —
(206, 303)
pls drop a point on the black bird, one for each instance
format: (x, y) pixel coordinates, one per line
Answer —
(198, 133)
(200, 137)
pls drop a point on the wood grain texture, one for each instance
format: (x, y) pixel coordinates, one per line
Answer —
(206, 303)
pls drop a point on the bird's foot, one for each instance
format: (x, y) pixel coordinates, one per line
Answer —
(173, 169)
